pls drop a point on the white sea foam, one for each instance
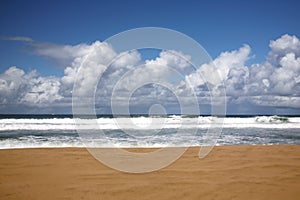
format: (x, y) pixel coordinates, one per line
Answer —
(149, 123)
(147, 131)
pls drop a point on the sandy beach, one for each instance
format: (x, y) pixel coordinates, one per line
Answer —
(228, 172)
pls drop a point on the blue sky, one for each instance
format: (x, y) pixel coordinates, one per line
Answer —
(219, 26)
(216, 25)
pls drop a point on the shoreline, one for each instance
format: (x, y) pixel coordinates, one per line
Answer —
(227, 172)
(141, 147)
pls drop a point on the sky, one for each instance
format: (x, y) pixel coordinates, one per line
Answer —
(253, 44)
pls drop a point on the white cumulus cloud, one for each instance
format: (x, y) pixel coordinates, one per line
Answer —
(28, 88)
(274, 82)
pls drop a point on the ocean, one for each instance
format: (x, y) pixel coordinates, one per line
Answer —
(42, 131)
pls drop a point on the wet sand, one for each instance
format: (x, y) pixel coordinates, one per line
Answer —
(228, 172)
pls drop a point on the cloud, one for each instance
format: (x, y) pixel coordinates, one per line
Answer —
(284, 45)
(129, 71)
(275, 82)
(17, 87)
(224, 68)
(272, 83)
(146, 82)
(172, 59)
(87, 68)
(18, 38)
(280, 73)
(61, 54)
(89, 62)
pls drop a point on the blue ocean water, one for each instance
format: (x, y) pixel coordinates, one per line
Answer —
(29, 131)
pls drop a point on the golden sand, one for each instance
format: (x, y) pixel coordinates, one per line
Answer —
(229, 172)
